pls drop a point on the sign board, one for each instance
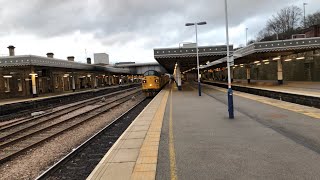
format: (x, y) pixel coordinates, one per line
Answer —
(231, 61)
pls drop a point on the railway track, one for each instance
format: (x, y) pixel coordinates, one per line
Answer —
(58, 112)
(79, 163)
(18, 138)
(10, 112)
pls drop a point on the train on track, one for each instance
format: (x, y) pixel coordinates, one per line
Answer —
(153, 82)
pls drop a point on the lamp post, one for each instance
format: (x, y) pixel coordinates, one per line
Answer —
(246, 36)
(304, 14)
(196, 28)
(230, 93)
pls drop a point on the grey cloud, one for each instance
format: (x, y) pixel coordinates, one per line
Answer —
(123, 21)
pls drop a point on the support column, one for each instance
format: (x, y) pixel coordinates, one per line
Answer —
(177, 76)
(73, 83)
(95, 81)
(109, 79)
(248, 74)
(34, 84)
(280, 73)
(62, 79)
(112, 80)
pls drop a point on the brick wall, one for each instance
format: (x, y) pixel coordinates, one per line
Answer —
(313, 31)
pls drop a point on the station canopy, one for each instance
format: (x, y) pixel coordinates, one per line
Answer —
(186, 57)
(263, 51)
(32, 60)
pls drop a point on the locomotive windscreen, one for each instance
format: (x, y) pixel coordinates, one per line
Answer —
(151, 73)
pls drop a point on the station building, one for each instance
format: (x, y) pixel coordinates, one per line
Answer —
(285, 60)
(31, 75)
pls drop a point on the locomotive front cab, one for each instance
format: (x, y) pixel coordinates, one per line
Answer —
(151, 80)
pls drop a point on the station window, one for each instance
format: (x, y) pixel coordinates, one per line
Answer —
(19, 84)
(7, 84)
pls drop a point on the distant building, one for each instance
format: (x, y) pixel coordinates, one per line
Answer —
(101, 58)
(313, 31)
(121, 63)
(189, 45)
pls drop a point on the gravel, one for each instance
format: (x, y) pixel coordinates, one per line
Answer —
(81, 164)
(35, 161)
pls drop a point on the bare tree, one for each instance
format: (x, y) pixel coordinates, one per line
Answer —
(251, 41)
(265, 32)
(281, 25)
(287, 20)
(313, 19)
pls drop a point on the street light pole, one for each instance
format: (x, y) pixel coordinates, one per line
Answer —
(246, 36)
(230, 93)
(196, 29)
(199, 83)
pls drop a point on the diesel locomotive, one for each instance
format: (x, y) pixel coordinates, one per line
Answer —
(152, 82)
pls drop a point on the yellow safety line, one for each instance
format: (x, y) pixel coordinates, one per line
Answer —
(173, 168)
(308, 111)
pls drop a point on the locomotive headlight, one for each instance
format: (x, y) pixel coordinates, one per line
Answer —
(144, 81)
(156, 80)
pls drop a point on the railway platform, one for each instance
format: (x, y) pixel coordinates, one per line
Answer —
(180, 135)
(293, 87)
(304, 93)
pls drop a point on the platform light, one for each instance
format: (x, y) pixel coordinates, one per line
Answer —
(265, 60)
(267, 63)
(256, 62)
(7, 76)
(241, 65)
(287, 60)
(35, 74)
(195, 24)
(235, 65)
(299, 58)
(276, 58)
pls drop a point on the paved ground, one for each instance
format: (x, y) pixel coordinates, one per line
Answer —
(297, 87)
(198, 141)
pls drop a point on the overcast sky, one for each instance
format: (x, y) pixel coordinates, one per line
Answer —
(128, 30)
